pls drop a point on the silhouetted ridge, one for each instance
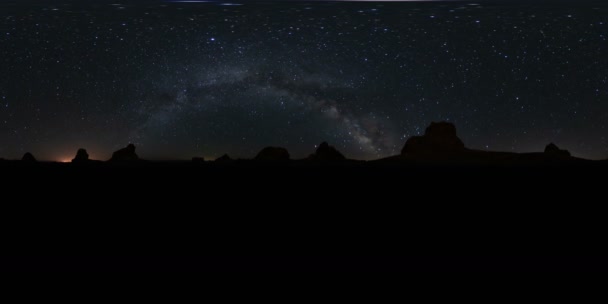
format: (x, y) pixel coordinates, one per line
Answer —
(223, 158)
(28, 157)
(325, 152)
(81, 156)
(125, 154)
(440, 144)
(439, 138)
(554, 150)
(273, 154)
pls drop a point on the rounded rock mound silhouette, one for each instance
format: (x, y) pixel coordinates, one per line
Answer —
(126, 154)
(273, 154)
(325, 152)
(439, 138)
(553, 150)
(28, 157)
(81, 156)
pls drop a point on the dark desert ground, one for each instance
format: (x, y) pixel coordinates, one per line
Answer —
(303, 136)
(452, 211)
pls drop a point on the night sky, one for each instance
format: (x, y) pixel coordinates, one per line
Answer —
(203, 79)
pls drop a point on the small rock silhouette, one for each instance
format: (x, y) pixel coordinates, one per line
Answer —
(325, 152)
(81, 156)
(28, 157)
(223, 158)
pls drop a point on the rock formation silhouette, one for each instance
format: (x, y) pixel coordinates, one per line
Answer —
(440, 143)
(28, 157)
(325, 152)
(223, 158)
(273, 154)
(198, 159)
(439, 139)
(554, 150)
(125, 154)
(81, 156)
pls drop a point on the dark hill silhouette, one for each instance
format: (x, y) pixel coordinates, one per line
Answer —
(126, 154)
(223, 158)
(28, 157)
(553, 150)
(273, 154)
(325, 152)
(81, 156)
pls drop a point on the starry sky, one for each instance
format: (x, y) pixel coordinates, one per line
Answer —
(202, 79)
